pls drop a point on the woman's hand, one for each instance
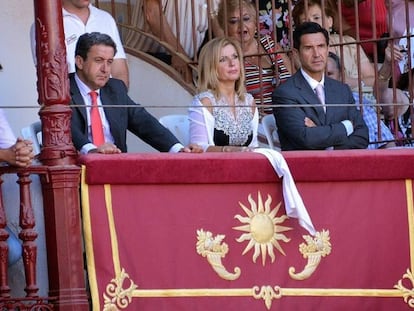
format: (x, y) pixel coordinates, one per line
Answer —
(192, 148)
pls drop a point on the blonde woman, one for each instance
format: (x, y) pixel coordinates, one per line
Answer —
(263, 73)
(223, 116)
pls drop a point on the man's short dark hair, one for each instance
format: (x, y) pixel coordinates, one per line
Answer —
(308, 28)
(87, 40)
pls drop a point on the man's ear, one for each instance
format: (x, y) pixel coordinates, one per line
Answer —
(79, 61)
(295, 57)
(329, 23)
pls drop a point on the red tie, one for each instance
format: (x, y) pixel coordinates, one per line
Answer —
(96, 122)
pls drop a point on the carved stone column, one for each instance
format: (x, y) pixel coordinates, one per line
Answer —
(53, 84)
(61, 184)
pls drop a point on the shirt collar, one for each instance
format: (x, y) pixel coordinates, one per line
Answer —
(83, 88)
(312, 82)
(67, 13)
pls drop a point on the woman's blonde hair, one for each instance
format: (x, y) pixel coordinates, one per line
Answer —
(209, 61)
(230, 6)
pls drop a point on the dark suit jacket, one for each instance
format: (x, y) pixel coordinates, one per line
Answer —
(133, 118)
(329, 131)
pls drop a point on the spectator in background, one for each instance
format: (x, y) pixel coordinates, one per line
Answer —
(364, 22)
(399, 18)
(274, 18)
(160, 18)
(223, 117)
(264, 67)
(386, 95)
(79, 17)
(400, 28)
(395, 104)
(350, 51)
(385, 140)
(313, 111)
(16, 152)
(402, 50)
(100, 127)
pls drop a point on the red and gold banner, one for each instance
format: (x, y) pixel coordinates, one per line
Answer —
(210, 232)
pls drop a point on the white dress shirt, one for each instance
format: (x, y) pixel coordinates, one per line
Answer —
(7, 138)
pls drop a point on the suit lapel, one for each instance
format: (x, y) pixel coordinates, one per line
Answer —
(77, 98)
(309, 96)
(331, 95)
(108, 99)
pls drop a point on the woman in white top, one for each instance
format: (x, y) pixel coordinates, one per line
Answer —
(223, 116)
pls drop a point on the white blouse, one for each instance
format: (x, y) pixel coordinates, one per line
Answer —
(238, 127)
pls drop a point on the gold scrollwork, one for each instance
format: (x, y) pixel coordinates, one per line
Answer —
(117, 297)
(267, 293)
(408, 294)
(316, 248)
(214, 249)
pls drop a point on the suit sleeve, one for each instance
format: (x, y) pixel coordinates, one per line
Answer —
(359, 139)
(144, 125)
(149, 129)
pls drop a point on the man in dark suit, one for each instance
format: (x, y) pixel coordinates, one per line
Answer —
(94, 56)
(304, 120)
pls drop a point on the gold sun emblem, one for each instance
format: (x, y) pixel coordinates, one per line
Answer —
(263, 229)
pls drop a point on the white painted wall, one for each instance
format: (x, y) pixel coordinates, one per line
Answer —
(18, 95)
(18, 78)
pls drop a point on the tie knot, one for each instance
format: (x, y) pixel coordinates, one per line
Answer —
(319, 89)
(94, 97)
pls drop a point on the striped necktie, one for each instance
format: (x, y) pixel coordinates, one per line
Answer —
(321, 95)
